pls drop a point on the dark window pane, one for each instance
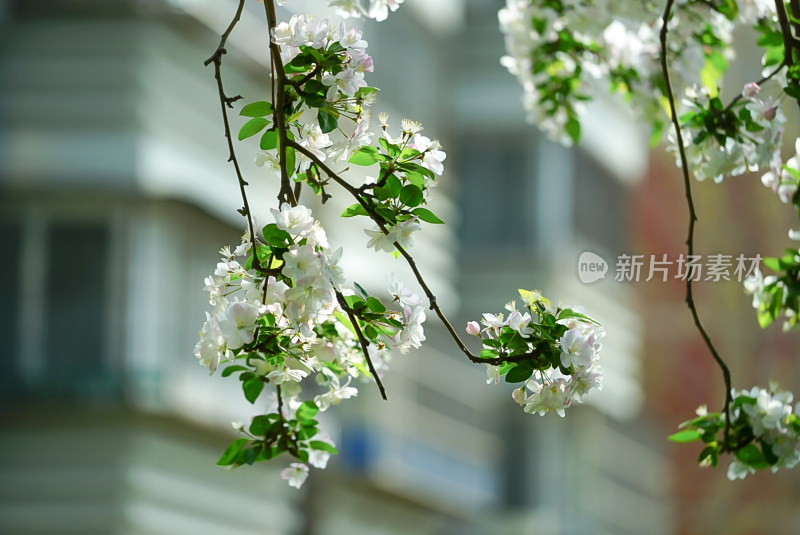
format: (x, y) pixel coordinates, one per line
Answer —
(601, 206)
(10, 243)
(76, 298)
(495, 196)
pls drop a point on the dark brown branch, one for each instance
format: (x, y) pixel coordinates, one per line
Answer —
(363, 341)
(227, 102)
(726, 374)
(795, 7)
(790, 42)
(297, 83)
(278, 113)
(766, 78)
(284, 439)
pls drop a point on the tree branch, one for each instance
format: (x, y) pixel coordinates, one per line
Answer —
(434, 305)
(227, 102)
(363, 341)
(726, 374)
(278, 113)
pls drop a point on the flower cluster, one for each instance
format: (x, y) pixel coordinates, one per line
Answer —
(325, 69)
(552, 351)
(776, 296)
(744, 137)
(325, 83)
(282, 315)
(564, 51)
(288, 320)
(764, 432)
(409, 164)
(374, 9)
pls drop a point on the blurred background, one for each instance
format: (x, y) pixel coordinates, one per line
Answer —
(115, 196)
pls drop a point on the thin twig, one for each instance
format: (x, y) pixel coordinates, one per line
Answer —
(363, 341)
(227, 102)
(726, 374)
(766, 78)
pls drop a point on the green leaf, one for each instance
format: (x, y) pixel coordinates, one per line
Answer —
(394, 185)
(375, 305)
(275, 236)
(386, 213)
(709, 452)
(519, 374)
(328, 121)
(315, 86)
(365, 155)
(773, 263)
(316, 100)
(411, 195)
(743, 400)
(364, 91)
(290, 161)
(752, 456)
(257, 109)
(415, 178)
(383, 193)
(655, 135)
(252, 127)
(229, 456)
(687, 435)
(773, 56)
(252, 387)
(573, 129)
(251, 455)
(262, 423)
(710, 75)
(370, 332)
(292, 118)
(391, 150)
(355, 302)
(269, 140)
(232, 369)
(306, 433)
(569, 313)
(729, 9)
(323, 446)
(354, 210)
(307, 410)
(427, 216)
(488, 354)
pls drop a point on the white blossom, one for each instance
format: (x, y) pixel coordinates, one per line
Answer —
(296, 474)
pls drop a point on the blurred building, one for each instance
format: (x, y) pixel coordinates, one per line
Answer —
(115, 195)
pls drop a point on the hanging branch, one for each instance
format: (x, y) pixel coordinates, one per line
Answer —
(278, 74)
(434, 305)
(726, 374)
(363, 341)
(227, 102)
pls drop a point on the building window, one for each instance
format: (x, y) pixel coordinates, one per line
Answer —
(54, 322)
(496, 194)
(75, 310)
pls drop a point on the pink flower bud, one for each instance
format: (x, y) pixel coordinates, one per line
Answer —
(750, 90)
(473, 328)
(769, 113)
